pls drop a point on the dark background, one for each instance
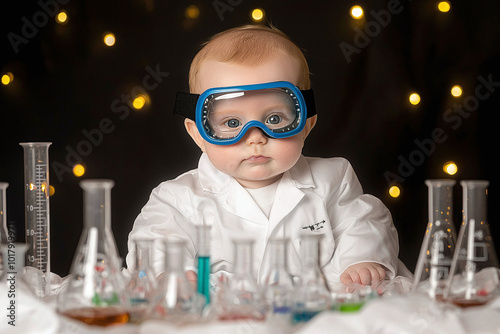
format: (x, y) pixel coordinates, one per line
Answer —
(67, 81)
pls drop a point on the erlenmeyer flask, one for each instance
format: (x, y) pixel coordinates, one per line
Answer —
(244, 299)
(312, 295)
(279, 283)
(474, 276)
(141, 287)
(176, 299)
(436, 253)
(96, 293)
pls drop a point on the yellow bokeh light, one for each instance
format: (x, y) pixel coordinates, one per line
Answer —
(7, 78)
(450, 168)
(78, 170)
(139, 102)
(257, 14)
(52, 190)
(456, 91)
(356, 12)
(109, 39)
(394, 191)
(192, 12)
(444, 6)
(62, 17)
(414, 99)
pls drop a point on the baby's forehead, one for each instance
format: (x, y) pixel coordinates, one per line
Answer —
(214, 74)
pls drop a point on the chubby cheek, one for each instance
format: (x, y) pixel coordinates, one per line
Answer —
(288, 151)
(224, 158)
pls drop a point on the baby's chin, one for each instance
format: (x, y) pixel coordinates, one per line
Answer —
(258, 183)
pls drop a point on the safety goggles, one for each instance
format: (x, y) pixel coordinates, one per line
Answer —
(223, 115)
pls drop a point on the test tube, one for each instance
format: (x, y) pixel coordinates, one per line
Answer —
(36, 200)
(203, 236)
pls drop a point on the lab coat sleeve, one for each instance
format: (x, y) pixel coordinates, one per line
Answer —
(362, 227)
(164, 215)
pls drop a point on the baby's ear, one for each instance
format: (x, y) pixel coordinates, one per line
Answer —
(310, 123)
(192, 129)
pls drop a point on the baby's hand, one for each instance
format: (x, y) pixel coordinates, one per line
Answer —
(366, 273)
(192, 278)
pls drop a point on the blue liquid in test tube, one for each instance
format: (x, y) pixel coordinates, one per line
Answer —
(204, 277)
(203, 234)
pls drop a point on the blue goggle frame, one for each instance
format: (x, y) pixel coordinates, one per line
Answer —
(185, 101)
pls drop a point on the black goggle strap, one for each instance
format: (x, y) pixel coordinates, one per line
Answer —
(185, 104)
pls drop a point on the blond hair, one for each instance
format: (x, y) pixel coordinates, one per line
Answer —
(248, 45)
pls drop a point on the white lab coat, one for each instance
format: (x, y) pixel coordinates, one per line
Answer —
(315, 196)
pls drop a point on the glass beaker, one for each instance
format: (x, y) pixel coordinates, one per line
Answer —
(177, 299)
(37, 211)
(278, 282)
(3, 219)
(436, 252)
(142, 284)
(243, 299)
(312, 294)
(474, 276)
(96, 293)
(203, 238)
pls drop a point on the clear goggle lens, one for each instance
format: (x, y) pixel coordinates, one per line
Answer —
(274, 110)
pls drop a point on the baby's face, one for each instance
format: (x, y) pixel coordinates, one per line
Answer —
(256, 160)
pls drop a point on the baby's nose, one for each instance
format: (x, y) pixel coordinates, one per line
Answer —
(255, 136)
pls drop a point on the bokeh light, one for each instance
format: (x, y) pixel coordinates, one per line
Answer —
(450, 168)
(456, 91)
(139, 101)
(78, 170)
(109, 39)
(52, 190)
(394, 191)
(444, 6)
(414, 99)
(62, 17)
(7, 78)
(192, 12)
(356, 12)
(257, 14)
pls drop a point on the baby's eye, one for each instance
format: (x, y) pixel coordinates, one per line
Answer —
(273, 119)
(232, 123)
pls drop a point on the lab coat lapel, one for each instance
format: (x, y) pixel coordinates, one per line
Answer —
(233, 196)
(286, 199)
(289, 192)
(240, 203)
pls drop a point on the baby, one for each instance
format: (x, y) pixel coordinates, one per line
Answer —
(249, 111)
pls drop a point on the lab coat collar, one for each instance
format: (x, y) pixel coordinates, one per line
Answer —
(214, 181)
